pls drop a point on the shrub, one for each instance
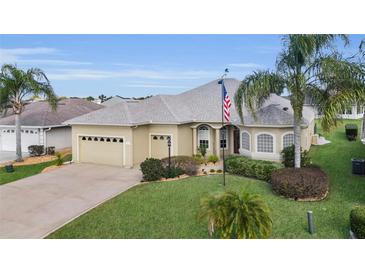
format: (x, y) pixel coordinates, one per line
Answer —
(36, 150)
(173, 172)
(300, 183)
(59, 160)
(50, 150)
(236, 216)
(213, 158)
(186, 163)
(219, 171)
(152, 169)
(198, 158)
(357, 221)
(351, 131)
(243, 166)
(202, 150)
(212, 170)
(288, 157)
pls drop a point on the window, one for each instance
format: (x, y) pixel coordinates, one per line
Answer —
(288, 140)
(223, 138)
(245, 141)
(265, 143)
(203, 136)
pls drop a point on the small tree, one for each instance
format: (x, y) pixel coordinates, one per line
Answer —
(15, 86)
(234, 216)
(90, 98)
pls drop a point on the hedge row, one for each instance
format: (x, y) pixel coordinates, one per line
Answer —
(243, 166)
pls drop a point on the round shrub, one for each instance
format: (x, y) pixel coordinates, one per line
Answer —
(212, 158)
(288, 157)
(187, 164)
(152, 169)
(357, 221)
(306, 183)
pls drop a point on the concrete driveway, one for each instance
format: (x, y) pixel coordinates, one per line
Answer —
(36, 206)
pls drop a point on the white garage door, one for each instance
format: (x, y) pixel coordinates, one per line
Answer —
(101, 150)
(29, 137)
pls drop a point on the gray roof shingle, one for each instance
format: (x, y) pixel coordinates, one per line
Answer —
(40, 113)
(201, 104)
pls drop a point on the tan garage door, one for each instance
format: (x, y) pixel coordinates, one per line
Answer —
(101, 150)
(159, 148)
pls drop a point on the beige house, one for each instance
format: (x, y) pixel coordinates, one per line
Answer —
(127, 133)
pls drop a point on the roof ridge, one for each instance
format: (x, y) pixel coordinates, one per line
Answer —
(168, 107)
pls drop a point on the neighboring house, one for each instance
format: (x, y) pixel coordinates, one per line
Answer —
(118, 99)
(42, 126)
(354, 111)
(125, 134)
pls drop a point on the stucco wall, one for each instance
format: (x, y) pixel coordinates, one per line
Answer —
(59, 137)
(115, 131)
(185, 140)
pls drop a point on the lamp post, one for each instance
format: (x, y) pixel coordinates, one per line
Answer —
(169, 146)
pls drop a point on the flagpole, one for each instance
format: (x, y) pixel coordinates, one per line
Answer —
(224, 166)
(222, 91)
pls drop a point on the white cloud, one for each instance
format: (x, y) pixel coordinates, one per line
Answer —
(16, 55)
(53, 62)
(76, 74)
(245, 65)
(13, 55)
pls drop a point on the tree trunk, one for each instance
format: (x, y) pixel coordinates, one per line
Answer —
(18, 133)
(297, 141)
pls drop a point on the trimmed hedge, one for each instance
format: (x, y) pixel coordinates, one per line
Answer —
(243, 166)
(36, 150)
(351, 131)
(152, 169)
(306, 183)
(213, 158)
(187, 164)
(357, 221)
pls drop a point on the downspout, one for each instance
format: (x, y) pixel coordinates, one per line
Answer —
(45, 139)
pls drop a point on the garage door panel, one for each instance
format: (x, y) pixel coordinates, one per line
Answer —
(101, 150)
(8, 139)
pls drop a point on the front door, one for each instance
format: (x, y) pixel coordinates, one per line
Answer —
(236, 141)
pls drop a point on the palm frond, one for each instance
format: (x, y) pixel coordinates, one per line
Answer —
(255, 89)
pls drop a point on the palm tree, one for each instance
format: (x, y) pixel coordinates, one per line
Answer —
(231, 215)
(309, 65)
(102, 98)
(16, 85)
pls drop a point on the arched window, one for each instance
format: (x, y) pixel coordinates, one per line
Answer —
(245, 140)
(203, 136)
(288, 140)
(265, 143)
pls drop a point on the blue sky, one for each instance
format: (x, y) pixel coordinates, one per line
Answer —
(139, 65)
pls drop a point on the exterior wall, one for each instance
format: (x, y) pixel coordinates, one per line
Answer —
(278, 134)
(185, 140)
(115, 131)
(58, 137)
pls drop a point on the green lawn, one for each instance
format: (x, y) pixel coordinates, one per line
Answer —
(26, 171)
(169, 209)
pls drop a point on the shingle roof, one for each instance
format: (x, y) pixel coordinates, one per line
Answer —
(201, 104)
(40, 113)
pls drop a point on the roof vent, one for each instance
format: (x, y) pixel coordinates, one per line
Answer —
(285, 108)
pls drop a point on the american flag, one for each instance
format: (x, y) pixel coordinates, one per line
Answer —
(226, 104)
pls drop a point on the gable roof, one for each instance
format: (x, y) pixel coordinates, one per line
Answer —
(40, 114)
(201, 104)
